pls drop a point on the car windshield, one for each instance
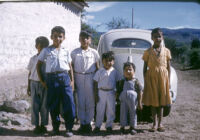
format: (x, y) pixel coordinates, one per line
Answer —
(131, 43)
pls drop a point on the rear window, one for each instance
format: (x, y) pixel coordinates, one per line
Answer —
(131, 43)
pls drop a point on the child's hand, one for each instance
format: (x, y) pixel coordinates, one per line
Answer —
(140, 106)
(72, 85)
(44, 84)
(28, 92)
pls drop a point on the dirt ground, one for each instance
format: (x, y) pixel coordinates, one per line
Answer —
(182, 123)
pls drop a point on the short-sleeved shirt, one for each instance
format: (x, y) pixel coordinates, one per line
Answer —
(32, 68)
(107, 78)
(56, 59)
(84, 61)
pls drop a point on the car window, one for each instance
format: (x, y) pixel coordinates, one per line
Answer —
(131, 43)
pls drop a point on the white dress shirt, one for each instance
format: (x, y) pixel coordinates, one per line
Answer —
(107, 78)
(56, 59)
(84, 61)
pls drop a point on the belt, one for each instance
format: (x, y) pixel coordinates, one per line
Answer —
(106, 89)
(84, 73)
(57, 72)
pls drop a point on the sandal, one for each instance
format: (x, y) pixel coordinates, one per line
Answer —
(161, 129)
(153, 129)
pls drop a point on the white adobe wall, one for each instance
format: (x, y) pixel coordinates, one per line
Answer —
(20, 24)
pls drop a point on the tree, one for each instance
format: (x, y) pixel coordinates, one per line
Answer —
(171, 44)
(117, 23)
(195, 43)
(180, 53)
(195, 58)
(89, 29)
(183, 54)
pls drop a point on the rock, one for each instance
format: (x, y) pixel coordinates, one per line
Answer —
(21, 121)
(9, 123)
(15, 106)
(9, 119)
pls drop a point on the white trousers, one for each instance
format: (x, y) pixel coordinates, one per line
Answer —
(85, 96)
(106, 103)
(128, 105)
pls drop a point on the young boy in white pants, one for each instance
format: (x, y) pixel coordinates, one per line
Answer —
(85, 62)
(105, 80)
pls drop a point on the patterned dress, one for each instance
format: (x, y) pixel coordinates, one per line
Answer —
(156, 80)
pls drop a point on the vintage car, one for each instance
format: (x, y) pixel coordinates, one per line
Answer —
(129, 45)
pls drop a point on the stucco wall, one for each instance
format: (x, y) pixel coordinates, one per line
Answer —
(22, 22)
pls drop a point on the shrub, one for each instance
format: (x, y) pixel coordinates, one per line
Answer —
(195, 43)
(183, 56)
(194, 56)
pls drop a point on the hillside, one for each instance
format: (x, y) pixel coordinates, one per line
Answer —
(183, 35)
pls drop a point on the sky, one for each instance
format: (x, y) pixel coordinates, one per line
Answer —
(146, 15)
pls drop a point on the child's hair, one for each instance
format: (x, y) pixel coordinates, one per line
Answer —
(156, 30)
(108, 55)
(43, 41)
(129, 64)
(58, 29)
(85, 34)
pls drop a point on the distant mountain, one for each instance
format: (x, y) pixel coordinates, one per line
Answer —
(184, 35)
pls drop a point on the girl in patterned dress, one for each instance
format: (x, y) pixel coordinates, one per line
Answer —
(156, 73)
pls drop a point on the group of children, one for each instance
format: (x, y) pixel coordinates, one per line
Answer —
(55, 74)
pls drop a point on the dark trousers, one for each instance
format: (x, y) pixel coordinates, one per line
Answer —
(60, 99)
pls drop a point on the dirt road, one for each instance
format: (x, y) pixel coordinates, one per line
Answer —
(182, 123)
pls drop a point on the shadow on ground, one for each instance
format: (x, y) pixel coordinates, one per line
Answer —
(14, 132)
(29, 133)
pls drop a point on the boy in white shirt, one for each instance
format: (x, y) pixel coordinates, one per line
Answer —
(105, 81)
(37, 91)
(85, 63)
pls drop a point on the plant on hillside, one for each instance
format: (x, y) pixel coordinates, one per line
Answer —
(117, 23)
(195, 43)
(171, 44)
(183, 55)
(179, 54)
(194, 56)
